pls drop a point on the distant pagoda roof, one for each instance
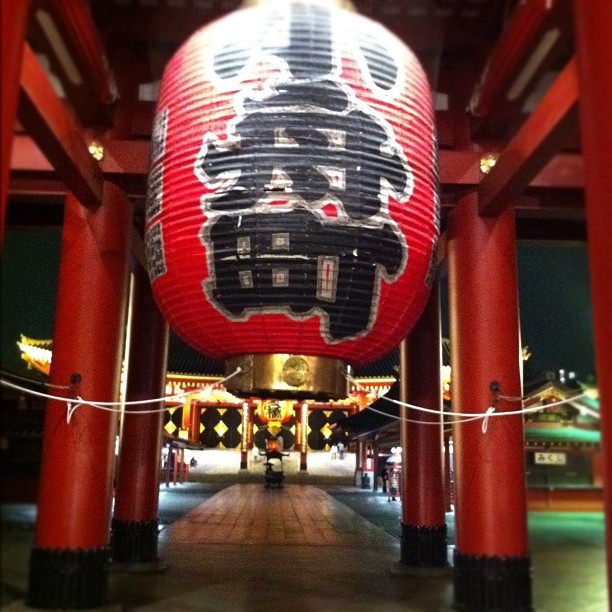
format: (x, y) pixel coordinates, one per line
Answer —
(36, 353)
(185, 360)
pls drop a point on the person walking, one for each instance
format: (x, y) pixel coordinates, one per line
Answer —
(341, 449)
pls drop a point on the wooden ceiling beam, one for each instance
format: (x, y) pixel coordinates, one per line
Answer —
(131, 157)
(537, 33)
(128, 160)
(67, 35)
(551, 126)
(521, 33)
(565, 170)
(58, 136)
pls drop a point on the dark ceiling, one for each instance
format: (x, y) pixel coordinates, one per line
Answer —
(457, 41)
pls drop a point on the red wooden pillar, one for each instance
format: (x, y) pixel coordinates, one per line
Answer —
(597, 461)
(251, 415)
(135, 522)
(593, 25)
(15, 16)
(244, 441)
(423, 540)
(195, 412)
(69, 562)
(304, 447)
(492, 563)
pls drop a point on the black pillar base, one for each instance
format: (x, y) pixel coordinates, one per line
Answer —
(134, 541)
(68, 578)
(243, 465)
(492, 584)
(423, 546)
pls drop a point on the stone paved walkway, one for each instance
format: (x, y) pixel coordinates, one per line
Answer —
(240, 547)
(296, 514)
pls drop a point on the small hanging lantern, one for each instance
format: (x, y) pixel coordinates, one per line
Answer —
(292, 213)
(274, 413)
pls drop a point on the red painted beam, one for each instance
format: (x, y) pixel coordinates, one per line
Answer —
(26, 156)
(126, 161)
(461, 168)
(524, 32)
(593, 25)
(131, 157)
(565, 170)
(15, 15)
(126, 157)
(58, 135)
(82, 37)
(544, 133)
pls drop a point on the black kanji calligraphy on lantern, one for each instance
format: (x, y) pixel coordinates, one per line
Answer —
(311, 143)
(294, 263)
(293, 195)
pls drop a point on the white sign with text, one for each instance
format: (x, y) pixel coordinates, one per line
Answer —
(550, 458)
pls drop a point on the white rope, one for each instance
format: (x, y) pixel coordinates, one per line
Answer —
(475, 415)
(108, 406)
(116, 406)
(485, 420)
(495, 413)
(399, 418)
(35, 382)
(166, 398)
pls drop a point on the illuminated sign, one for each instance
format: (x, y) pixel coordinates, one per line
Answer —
(550, 458)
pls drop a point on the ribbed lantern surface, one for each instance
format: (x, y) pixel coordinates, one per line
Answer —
(292, 203)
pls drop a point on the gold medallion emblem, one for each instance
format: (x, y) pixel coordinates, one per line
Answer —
(296, 371)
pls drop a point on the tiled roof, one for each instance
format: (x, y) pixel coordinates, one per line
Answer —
(183, 359)
(387, 366)
(562, 434)
(371, 418)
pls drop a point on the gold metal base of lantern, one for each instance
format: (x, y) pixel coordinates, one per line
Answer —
(345, 4)
(282, 375)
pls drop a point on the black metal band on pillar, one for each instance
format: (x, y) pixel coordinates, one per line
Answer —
(134, 541)
(68, 578)
(423, 546)
(490, 584)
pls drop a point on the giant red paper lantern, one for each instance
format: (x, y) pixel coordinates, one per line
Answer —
(292, 212)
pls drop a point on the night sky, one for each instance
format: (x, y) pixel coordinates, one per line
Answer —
(555, 309)
(555, 304)
(30, 266)
(554, 293)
